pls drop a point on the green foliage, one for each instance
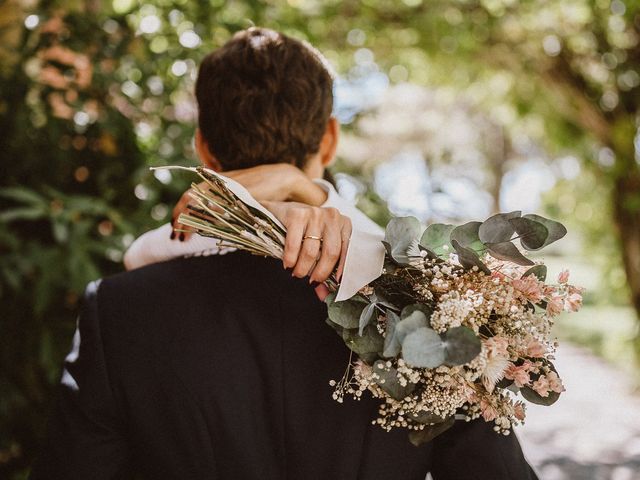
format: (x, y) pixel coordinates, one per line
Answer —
(369, 312)
(540, 271)
(346, 313)
(468, 235)
(436, 238)
(507, 251)
(423, 348)
(418, 437)
(388, 381)
(400, 236)
(367, 345)
(408, 334)
(469, 258)
(493, 236)
(460, 345)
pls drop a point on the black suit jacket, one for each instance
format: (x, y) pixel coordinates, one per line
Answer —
(218, 368)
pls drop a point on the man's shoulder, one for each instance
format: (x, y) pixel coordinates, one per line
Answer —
(214, 278)
(194, 269)
(149, 308)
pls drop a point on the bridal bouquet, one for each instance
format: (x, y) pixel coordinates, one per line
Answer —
(457, 326)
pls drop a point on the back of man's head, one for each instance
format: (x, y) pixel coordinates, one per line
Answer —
(263, 98)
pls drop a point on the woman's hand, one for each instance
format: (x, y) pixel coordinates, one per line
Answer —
(317, 239)
(277, 182)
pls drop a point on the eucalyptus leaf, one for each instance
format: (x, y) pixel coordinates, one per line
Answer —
(379, 299)
(335, 326)
(539, 271)
(366, 316)
(423, 348)
(411, 323)
(431, 255)
(461, 345)
(513, 388)
(508, 252)
(467, 235)
(346, 313)
(468, 258)
(436, 238)
(400, 235)
(370, 343)
(556, 229)
(416, 307)
(392, 345)
(504, 383)
(497, 229)
(389, 381)
(532, 234)
(419, 437)
(428, 418)
(531, 395)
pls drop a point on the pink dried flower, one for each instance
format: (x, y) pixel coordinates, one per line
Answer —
(563, 277)
(541, 386)
(497, 346)
(530, 287)
(555, 382)
(489, 411)
(536, 349)
(519, 411)
(573, 302)
(497, 274)
(520, 374)
(555, 304)
(573, 289)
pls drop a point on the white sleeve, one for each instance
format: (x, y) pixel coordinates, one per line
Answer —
(359, 220)
(156, 246)
(365, 255)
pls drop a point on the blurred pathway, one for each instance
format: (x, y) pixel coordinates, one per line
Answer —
(593, 432)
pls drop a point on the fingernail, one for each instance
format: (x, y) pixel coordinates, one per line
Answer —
(182, 237)
(173, 235)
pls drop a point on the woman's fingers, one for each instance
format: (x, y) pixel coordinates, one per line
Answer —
(316, 240)
(322, 291)
(345, 238)
(181, 207)
(311, 244)
(331, 246)
(293, 239)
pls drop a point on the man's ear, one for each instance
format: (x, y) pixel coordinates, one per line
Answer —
(205, 155)
(329, 142)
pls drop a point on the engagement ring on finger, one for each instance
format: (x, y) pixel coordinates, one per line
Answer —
(312, 237)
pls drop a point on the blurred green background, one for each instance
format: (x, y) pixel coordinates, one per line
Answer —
(451, 110)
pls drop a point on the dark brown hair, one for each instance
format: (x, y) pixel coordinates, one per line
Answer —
(263, 98)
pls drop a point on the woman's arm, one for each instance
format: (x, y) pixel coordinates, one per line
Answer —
(266, 183)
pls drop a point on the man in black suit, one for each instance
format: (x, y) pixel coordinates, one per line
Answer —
(217, 367)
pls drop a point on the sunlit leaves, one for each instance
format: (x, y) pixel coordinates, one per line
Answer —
(400, 236)
(436, 238)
